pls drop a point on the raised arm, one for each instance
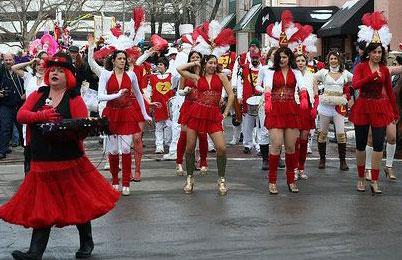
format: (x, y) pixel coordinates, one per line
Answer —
(183, 70)
(92, 63)
(145, 56)
(19, 68)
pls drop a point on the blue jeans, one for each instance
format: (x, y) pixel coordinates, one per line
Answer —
(7, 120)
(15, 138)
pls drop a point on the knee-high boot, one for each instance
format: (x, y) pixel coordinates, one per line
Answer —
(39, 240)
(126, 165)
(86, 241)
(342, 152)
(114, 168)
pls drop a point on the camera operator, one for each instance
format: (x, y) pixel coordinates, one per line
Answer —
(12, 95)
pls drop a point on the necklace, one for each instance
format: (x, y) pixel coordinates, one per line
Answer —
(49, 100)
(19, 88)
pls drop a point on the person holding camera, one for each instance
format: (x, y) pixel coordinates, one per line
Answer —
(12, 95)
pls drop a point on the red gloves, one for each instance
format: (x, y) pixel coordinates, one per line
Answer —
(268, 104)
(46, 115)
(315, 105)
(304, 99)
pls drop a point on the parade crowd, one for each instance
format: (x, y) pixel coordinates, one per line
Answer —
(277, 98)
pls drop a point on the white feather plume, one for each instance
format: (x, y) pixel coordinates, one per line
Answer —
(311, 43)
(219, 51)
(139, 35)
(202, 47)
(365, 34)
(121, 43)
(385, 36)
(214, 29)
(277, 30)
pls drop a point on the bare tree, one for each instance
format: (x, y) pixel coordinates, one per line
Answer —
(25, 17)
(215, 10)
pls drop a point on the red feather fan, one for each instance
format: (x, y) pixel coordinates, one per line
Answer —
(203, 31)
(375, 20)
(116, 31)
(287, 18)
(138, 17)
(104, 52)
(158, 43)
(134, 52)
(225, 37)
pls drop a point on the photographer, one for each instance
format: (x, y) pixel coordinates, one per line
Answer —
(12, 95)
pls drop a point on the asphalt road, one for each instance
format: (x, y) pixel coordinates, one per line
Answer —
(328, 219)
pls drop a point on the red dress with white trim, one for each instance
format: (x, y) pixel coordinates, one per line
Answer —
(161, 92)
(188, 102)
(376, 104)
(205, 115)
(62, 187)
(122, 115)
(285, 111)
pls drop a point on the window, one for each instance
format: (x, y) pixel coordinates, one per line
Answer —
(256, 2)
(232, 6)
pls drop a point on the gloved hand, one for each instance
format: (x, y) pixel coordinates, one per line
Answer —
(268, 104)
(47, 115)
(304, 99)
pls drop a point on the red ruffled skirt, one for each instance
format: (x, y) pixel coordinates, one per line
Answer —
(373, 112)
(137, 111)
(306, 121)
(205, 118)
(123, 121)
(184, 112)
(284, 114)
(59, 194)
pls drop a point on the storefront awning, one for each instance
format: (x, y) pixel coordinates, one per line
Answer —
(314, 16)
(247, 23)
(347, 19)
(229, 21)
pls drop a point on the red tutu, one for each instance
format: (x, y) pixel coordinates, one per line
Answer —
(184, 112)
(306, 121)
(284, 114)
(122, 121)
(205, 118)
(137, 111)
(59, 194)
(373, 112)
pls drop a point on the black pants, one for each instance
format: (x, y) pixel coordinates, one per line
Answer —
(378, 134)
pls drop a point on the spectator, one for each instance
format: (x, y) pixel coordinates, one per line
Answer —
(12, 94)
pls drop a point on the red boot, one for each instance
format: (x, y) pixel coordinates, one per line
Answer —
(114, 168)
(126, 163)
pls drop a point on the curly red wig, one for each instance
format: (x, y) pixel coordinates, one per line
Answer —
(70, 77)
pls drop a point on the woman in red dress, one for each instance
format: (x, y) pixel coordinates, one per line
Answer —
(205, 115)
(285, 90)
(118, 87)
(189, 90)
(62, 187)
(375, 107)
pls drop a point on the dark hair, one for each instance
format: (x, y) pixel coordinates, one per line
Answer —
(371, 47)
(205, 60)
(39, 56)
(339, 56)
(270, 53)
(277, 58)
(189, 59)
(398, 59)
(109, 60)
(164, 61)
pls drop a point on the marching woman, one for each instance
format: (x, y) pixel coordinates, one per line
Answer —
(189, 90)
(205, 116)
(375, 106)
(62, 187)
(117, 87)
(308, 42)
(284, 92)
(332, 105)
(307, 116)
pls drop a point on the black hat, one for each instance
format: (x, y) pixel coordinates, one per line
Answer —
(73, 48)
(61, 59)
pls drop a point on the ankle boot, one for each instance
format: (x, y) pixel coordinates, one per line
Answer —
(86, 242)
(39, 240)
(189, 186)
(264, 154)
(342, 157)
(322, 148)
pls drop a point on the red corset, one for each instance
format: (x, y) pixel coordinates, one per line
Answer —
(121, 102)
(282, 91)
(372, 91)
(209, 97)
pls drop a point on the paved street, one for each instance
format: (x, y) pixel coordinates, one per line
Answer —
(328, 219)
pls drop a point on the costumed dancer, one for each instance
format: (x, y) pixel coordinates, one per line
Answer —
(205, 115)
(62, 187)
(246, 88)
(375, 106)
(307, 43)
(333, 105)
(117, 86)
(242, 59)
(285, 95)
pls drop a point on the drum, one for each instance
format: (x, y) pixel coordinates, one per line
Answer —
(253, 104)
(170, 105)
